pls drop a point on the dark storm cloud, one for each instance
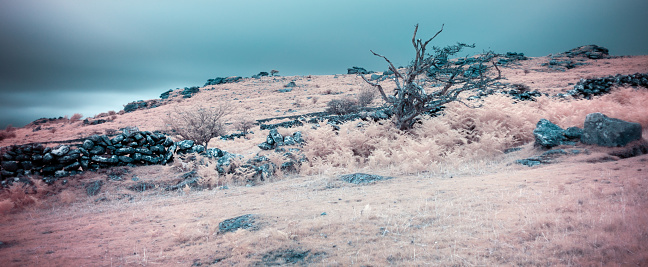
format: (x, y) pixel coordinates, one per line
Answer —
(59, 57)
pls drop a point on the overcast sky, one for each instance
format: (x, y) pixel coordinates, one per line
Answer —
(60, 57)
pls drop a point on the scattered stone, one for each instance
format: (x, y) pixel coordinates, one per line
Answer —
(93, 188)
(610, 132)
(363, 178)
(241, 222)
(285, 257)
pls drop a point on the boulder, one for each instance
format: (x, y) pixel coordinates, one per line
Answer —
(610, 132)
(547, 134)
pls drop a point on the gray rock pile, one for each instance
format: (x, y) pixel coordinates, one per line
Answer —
(587, 88)
(275, 139)
(223, 80)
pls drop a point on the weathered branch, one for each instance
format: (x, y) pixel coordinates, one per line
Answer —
(377, 85)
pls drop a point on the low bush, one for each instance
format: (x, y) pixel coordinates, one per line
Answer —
(8, 132)
(197, 123)
(342, 106)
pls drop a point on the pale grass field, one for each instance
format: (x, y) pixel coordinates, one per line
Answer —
(455, 200)
(571, 213)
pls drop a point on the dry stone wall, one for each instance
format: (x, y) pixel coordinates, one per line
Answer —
(98, 151)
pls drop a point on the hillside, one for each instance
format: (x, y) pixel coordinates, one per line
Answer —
(453, 197)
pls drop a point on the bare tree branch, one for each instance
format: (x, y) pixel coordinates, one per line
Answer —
(411, 99)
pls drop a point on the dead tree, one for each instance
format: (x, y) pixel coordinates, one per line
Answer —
(433, 80)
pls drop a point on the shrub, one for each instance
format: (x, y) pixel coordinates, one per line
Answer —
(366, 96)
(199, 124)
(76, 117)
(244, 125)
(342, 106)
(8, 132)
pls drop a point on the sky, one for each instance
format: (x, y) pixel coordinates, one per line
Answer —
(61, 57)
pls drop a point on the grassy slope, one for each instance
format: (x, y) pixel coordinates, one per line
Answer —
(584, 210)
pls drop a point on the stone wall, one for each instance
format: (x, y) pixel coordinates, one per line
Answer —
(98, 151)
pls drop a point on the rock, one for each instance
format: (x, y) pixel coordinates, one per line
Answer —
(265, 146)
(118, 139)
(214, 153)
(151, 159)
(589, 51)
(168, 142)
(297, 136)
(289, 141)
(138, 136)
(610, 132)
(88, 144)
(141, 187)
(93, 188)
(362, 178)
(276, 137)
(223, 163)
(72, 167)
(10, 166)
(290, 85)
(132, 106)
(198, 149)
(61, 173)
(125, 150)
(97, 150)
(26, 165)
(547, 134)
(357, 70)
(125, 159)
(288, 166)
(105, 140)
(573, 133)
(185, 145)
(47, 158)
(165, 95)
(169, 153)
(109, 160)
(285, 90)
(136, 156)
(61, 150)
(143, 150)
(221, 80)
(157, 149)
(241, 222)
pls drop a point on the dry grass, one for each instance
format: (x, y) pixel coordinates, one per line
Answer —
(456, 199)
